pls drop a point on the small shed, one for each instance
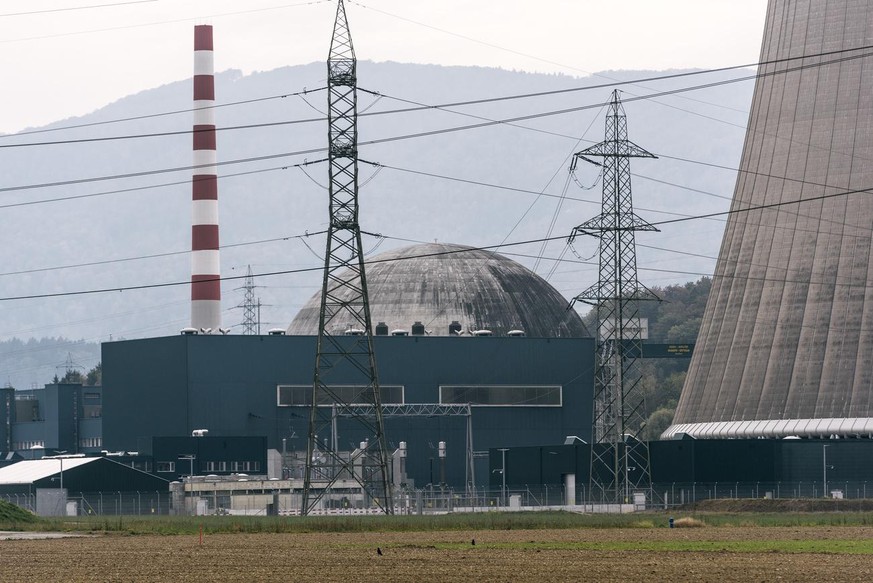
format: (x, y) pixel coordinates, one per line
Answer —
(77, 474)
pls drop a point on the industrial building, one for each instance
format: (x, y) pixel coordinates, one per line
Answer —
(477, 354)
(59, 417)
(74, 484)
(435, 303)
(523, 391)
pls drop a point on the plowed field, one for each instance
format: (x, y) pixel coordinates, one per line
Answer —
(698, 554)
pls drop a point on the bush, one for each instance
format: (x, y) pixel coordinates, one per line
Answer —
(688, 522)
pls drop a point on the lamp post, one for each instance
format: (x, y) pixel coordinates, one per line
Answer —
(189, 458)
(60, 455)
(503, 471)
(824, 468)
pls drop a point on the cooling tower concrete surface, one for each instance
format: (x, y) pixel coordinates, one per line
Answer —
(786, 343)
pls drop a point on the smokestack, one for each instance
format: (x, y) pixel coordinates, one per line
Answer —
(205, 267)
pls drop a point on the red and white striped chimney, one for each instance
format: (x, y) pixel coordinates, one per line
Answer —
(205, 267)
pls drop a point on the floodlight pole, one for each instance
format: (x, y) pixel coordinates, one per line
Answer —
(824, 469)
(61, 459)
(503, 451)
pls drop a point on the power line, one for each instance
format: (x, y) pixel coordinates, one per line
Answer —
(450, 252)
(168, 170)
(158, 255)
(72, 8)
(195, 18)
(160, 114)
(421, 107)
(236, 277)
(429, 133)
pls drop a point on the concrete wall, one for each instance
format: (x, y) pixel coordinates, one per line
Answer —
(788, 327)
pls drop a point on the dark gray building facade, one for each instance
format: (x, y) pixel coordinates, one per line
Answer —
(59, 417)
(523, 390)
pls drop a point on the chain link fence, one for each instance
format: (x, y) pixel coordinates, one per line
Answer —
(103, 503)
(664, 495)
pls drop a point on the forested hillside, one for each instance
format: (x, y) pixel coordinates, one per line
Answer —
(674, 319)
(113, 209)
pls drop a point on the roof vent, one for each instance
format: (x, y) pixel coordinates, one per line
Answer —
(381, 329)
(482, 332)
(354, 332)
(276, 331)
(455, 328)
(399, 332)
(418, 329)
(516, 333)
(188, 331)
(199, 433)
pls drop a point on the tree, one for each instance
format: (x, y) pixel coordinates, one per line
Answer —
(72, 376)
(657, 423)
(674, 320)
(94, 378)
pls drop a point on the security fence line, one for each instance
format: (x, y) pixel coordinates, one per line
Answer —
(664, 495)
(104, 503)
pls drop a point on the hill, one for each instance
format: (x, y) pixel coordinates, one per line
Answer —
(476, 186)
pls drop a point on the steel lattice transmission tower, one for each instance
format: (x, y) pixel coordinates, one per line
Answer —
(250, 305)
(619, 460)
(345, 334)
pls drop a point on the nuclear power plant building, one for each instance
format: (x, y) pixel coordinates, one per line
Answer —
(786, 340)
(457, 326)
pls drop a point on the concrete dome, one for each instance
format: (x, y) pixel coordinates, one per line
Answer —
(436, 284)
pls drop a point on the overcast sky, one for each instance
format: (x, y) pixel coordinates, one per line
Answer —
(60, 58)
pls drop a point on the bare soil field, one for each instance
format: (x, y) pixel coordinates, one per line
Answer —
(652, 554)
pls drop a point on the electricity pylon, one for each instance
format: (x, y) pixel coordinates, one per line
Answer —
(345, 334)
(619, 459)
(251, 321)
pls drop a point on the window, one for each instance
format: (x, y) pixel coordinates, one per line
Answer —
(166, 467)
(27, 444)
(301, 395)
(91, 442)
(502, 395)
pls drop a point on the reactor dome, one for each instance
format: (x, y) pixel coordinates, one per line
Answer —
(442, 289)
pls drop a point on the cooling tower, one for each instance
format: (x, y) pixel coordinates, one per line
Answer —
(205, 268)
(786, 342)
